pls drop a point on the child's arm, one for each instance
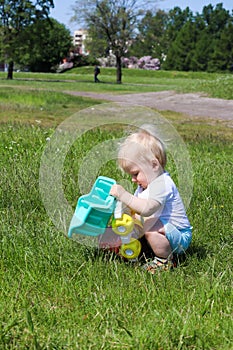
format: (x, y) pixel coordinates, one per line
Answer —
(144, 207)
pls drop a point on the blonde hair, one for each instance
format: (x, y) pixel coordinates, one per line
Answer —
(141, 147)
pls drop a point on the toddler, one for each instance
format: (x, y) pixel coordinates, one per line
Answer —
(157, 200)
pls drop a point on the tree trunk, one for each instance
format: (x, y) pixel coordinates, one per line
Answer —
(119, 73)
(10, 70)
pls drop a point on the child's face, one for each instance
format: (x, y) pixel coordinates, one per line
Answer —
(142, 176)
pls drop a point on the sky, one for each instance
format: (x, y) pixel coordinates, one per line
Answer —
(62, 11)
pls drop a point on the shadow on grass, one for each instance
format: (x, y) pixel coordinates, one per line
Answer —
(197, 251)
(109, 255)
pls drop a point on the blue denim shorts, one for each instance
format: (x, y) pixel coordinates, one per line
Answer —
(179, 239)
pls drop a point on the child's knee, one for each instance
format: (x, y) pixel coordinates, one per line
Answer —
(150, 235)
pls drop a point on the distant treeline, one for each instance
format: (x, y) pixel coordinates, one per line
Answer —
(186, 41)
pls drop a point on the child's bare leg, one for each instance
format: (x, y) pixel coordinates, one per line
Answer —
(159, 244)
(157, 239)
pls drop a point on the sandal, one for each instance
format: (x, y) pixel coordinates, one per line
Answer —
(159, 264)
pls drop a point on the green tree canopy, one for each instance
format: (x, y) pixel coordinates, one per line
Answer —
(180, 54)
(199, 42)
(15, 16)
(113, 21)
(222, 56)
(43, 45)
(151, 38)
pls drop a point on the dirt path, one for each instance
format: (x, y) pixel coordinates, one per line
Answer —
(193, 105)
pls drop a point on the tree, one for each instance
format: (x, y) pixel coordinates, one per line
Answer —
(43, 45)
(222, 57)
(181, 37)
(203, 47)
(215, 18)
(218, 28)
(202, 52)
(176, 20)
(95, 43)
(182, 49)
(113, 21)
(151, 40)
(15, 16)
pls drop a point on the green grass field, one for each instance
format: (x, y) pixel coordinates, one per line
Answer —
(58, 294)
(215, 85)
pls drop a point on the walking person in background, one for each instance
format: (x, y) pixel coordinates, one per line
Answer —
(96, 73)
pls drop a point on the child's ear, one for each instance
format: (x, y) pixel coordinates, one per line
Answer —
(155, 164)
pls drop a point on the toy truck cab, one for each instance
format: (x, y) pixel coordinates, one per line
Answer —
(94, 210)
(93, 214)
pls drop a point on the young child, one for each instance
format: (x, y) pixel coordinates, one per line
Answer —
(157, 200)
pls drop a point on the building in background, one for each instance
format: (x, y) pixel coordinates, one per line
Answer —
(79, 41)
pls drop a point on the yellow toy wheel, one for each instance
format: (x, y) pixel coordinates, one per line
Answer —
(131, 250)
(123, 226)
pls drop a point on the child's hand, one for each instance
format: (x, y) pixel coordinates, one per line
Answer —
(117, 191)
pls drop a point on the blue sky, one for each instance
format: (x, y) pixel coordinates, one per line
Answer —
(63, 12)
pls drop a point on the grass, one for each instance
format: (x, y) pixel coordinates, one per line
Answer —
(58, 294)
(81, 79)
(39, 106)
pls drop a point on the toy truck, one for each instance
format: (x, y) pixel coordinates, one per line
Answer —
(99, 214)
